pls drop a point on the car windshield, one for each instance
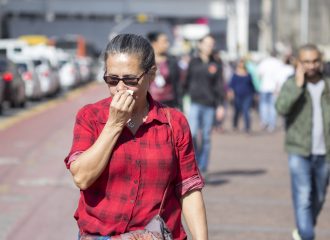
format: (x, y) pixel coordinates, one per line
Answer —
(62, 62)
(37, 63)
(22, 67)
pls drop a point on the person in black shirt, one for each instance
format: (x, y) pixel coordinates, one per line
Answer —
(204, 85)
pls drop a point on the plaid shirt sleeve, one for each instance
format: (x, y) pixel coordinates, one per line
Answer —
(189, 177)
(83, 135)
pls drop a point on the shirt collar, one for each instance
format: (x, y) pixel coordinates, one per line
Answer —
(156, 111)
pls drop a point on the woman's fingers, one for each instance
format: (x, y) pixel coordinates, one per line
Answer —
(125, 100)
(128, 101)
(122, 106)
(117, 97)
(131, 106)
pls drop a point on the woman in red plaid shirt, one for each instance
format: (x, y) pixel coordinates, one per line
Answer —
(126, 151)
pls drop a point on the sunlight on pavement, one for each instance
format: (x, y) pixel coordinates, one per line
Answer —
(10, 121)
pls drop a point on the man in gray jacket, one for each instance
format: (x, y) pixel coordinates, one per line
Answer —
(304, 101)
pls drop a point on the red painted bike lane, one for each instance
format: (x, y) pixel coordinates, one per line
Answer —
(37, 196)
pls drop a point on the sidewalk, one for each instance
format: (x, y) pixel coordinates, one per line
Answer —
(248, 193)
(247, 196)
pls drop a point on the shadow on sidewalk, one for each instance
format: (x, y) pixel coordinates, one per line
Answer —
(217, 178)
(238, 172)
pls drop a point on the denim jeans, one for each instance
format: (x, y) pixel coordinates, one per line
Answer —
(243, 105)
(267, 110)
(309, 180)
(201, 117)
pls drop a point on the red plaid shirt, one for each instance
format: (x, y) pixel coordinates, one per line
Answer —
(128, 193)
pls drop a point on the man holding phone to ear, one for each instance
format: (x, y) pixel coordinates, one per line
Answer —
(304, 101)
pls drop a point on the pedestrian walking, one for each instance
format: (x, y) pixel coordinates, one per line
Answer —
(304, 100)
(166, 87)
(203, 86)
(131, 156)
(242, 92)
(269, 73)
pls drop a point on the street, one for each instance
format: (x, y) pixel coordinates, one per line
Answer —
(247, 196)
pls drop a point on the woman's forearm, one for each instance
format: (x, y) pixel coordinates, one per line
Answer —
(195, 215)
(91, 163)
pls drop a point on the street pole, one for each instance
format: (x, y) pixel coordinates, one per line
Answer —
(0, 21)
(274, 24)
(2, 14)
(232, 28)
(304, 21)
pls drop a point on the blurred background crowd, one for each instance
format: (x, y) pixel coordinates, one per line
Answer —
(48, 47)
(243, 50)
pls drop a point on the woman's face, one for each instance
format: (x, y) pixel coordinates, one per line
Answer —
(123, 65)
(162, 44)
(206, 46)
(241, 64)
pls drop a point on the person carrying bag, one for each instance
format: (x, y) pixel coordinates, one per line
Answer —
(125, 162)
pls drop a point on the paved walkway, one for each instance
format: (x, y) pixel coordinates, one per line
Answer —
(247, 197)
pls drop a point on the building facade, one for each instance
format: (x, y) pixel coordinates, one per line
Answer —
(241, 26)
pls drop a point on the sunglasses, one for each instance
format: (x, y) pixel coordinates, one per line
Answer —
(129, 81)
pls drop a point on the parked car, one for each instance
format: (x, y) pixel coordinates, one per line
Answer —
(99, 70)
(29, 75)
(2, 91)
(49, 79)
(85, 69)
(12, 48)
(69, 73)
(14, 87)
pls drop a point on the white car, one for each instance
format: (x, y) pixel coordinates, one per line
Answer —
(85, 68)
(31, 79)
(49, 79)
(69, 74)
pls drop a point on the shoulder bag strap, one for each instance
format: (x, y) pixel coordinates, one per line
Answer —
(168, 116)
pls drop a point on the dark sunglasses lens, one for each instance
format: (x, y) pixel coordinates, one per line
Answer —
(110, 80)
(130, 81)
(127, 81)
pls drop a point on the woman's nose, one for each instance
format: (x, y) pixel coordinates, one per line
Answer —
(121, 86)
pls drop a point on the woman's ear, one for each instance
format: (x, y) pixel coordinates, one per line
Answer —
(153, 70)
(152, 74)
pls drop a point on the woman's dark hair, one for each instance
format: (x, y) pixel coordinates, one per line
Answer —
(209, 35)
(153, 36)
(133, 45)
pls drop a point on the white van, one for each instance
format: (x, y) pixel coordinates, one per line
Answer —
(12, 48)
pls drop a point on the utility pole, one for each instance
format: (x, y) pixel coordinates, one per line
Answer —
(232, 38)
(2, 15)
(304, 21)
(273, 24)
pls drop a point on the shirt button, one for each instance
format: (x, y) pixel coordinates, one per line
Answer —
(132, 201)
(135, 181)
(138, 162)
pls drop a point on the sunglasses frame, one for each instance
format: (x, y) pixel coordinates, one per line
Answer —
(129, 81)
